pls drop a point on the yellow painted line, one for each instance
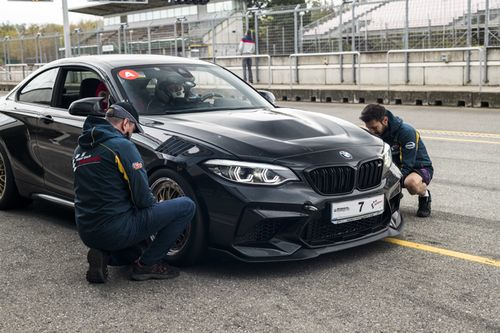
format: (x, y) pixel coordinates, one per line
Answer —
(460, 133)
(459, 255)
(461, 140)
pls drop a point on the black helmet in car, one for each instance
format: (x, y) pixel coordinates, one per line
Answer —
(173, 86)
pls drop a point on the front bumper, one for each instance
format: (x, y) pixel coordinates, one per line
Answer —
(292, 222)
(285, 251)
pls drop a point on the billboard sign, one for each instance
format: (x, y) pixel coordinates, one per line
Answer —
(108, 48)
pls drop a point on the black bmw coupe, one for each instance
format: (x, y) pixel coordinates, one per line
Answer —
(270, 183)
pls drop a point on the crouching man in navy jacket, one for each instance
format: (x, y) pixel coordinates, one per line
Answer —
(408, 151)
(115, 209)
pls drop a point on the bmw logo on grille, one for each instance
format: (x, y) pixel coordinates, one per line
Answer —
(345, 155)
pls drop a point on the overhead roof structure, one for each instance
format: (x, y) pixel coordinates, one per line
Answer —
(106, 8)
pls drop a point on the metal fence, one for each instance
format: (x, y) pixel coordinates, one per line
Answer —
(371, 25)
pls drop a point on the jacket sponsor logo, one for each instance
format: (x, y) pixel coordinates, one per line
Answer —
(84, 159)
(137, 165)
(345, 155)
(410, 145)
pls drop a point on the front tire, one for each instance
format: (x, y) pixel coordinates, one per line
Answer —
(9, 196)
(191, 244)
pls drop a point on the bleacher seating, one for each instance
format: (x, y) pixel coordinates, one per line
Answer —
(389, 15)
(325, 27)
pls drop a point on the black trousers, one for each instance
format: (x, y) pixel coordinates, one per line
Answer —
(247, 69)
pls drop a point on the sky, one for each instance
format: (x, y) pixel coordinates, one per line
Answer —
(18, 12)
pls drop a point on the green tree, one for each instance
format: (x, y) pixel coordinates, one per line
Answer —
(26, 34)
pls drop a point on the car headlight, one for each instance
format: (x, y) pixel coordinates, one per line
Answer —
(387, 155)
(251, 173)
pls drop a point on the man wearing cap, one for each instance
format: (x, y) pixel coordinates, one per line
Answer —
(115, 209)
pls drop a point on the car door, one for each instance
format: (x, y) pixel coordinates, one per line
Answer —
(59, 130)
(28, 104)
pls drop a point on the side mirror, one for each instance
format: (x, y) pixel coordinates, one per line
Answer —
(90, 106)
(268, 95)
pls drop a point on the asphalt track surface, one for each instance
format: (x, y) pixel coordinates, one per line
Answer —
(441, 275)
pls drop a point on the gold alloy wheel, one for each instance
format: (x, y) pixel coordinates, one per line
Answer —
(165, 189)
(3, 176)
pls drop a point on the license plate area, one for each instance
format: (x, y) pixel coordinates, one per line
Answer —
(346, 211)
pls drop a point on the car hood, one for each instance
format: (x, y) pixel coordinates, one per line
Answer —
(268, 135)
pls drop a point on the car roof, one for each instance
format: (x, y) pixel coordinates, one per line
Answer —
(121, 60)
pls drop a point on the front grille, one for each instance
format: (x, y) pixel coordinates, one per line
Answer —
(370, 174)
(322, 232)
(262, 231)
(332, 180)
(342, 179)
(174, 146)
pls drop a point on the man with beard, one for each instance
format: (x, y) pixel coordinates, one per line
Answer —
(408, 151)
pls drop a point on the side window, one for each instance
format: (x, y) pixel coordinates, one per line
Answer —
(39, 90)
(81, 83)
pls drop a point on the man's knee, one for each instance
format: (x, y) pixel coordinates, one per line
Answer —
(186, 207)
(413, 184)
(190, 206)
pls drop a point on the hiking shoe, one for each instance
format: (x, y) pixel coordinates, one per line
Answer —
(160, 270)
(98, 266)
(424, 206)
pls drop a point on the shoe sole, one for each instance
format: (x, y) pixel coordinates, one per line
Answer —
(96, 272)
(144, 277)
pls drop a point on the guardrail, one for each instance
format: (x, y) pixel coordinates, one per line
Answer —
(353, 53)
(453, 49)
(267, 56)
(6, 74)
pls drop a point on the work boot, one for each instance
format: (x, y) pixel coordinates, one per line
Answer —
(98, 266)
(159, 270)
(424, 206)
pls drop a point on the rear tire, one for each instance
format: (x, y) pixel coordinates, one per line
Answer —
(190, 246)
(9, 196)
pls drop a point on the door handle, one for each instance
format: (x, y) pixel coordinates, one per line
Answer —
(47, 119)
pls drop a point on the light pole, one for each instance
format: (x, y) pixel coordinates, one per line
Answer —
(175, 39)
(99, 42)
(247, 23)
(4, 51)
(296, 41)
(7, 51)
(67, 37)
(38, 48)
(22, 49)
(131, 31)
(257, 33)
(77, 32)
(182, 19)
(123, 26)
(301, 32)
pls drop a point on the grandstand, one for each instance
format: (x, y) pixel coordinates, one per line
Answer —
(214, 29)
(376, 18)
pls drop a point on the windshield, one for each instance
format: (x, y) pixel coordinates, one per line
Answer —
(181, 88)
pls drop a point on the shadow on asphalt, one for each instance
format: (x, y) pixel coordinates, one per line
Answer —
(49, 212)
(225, 267)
